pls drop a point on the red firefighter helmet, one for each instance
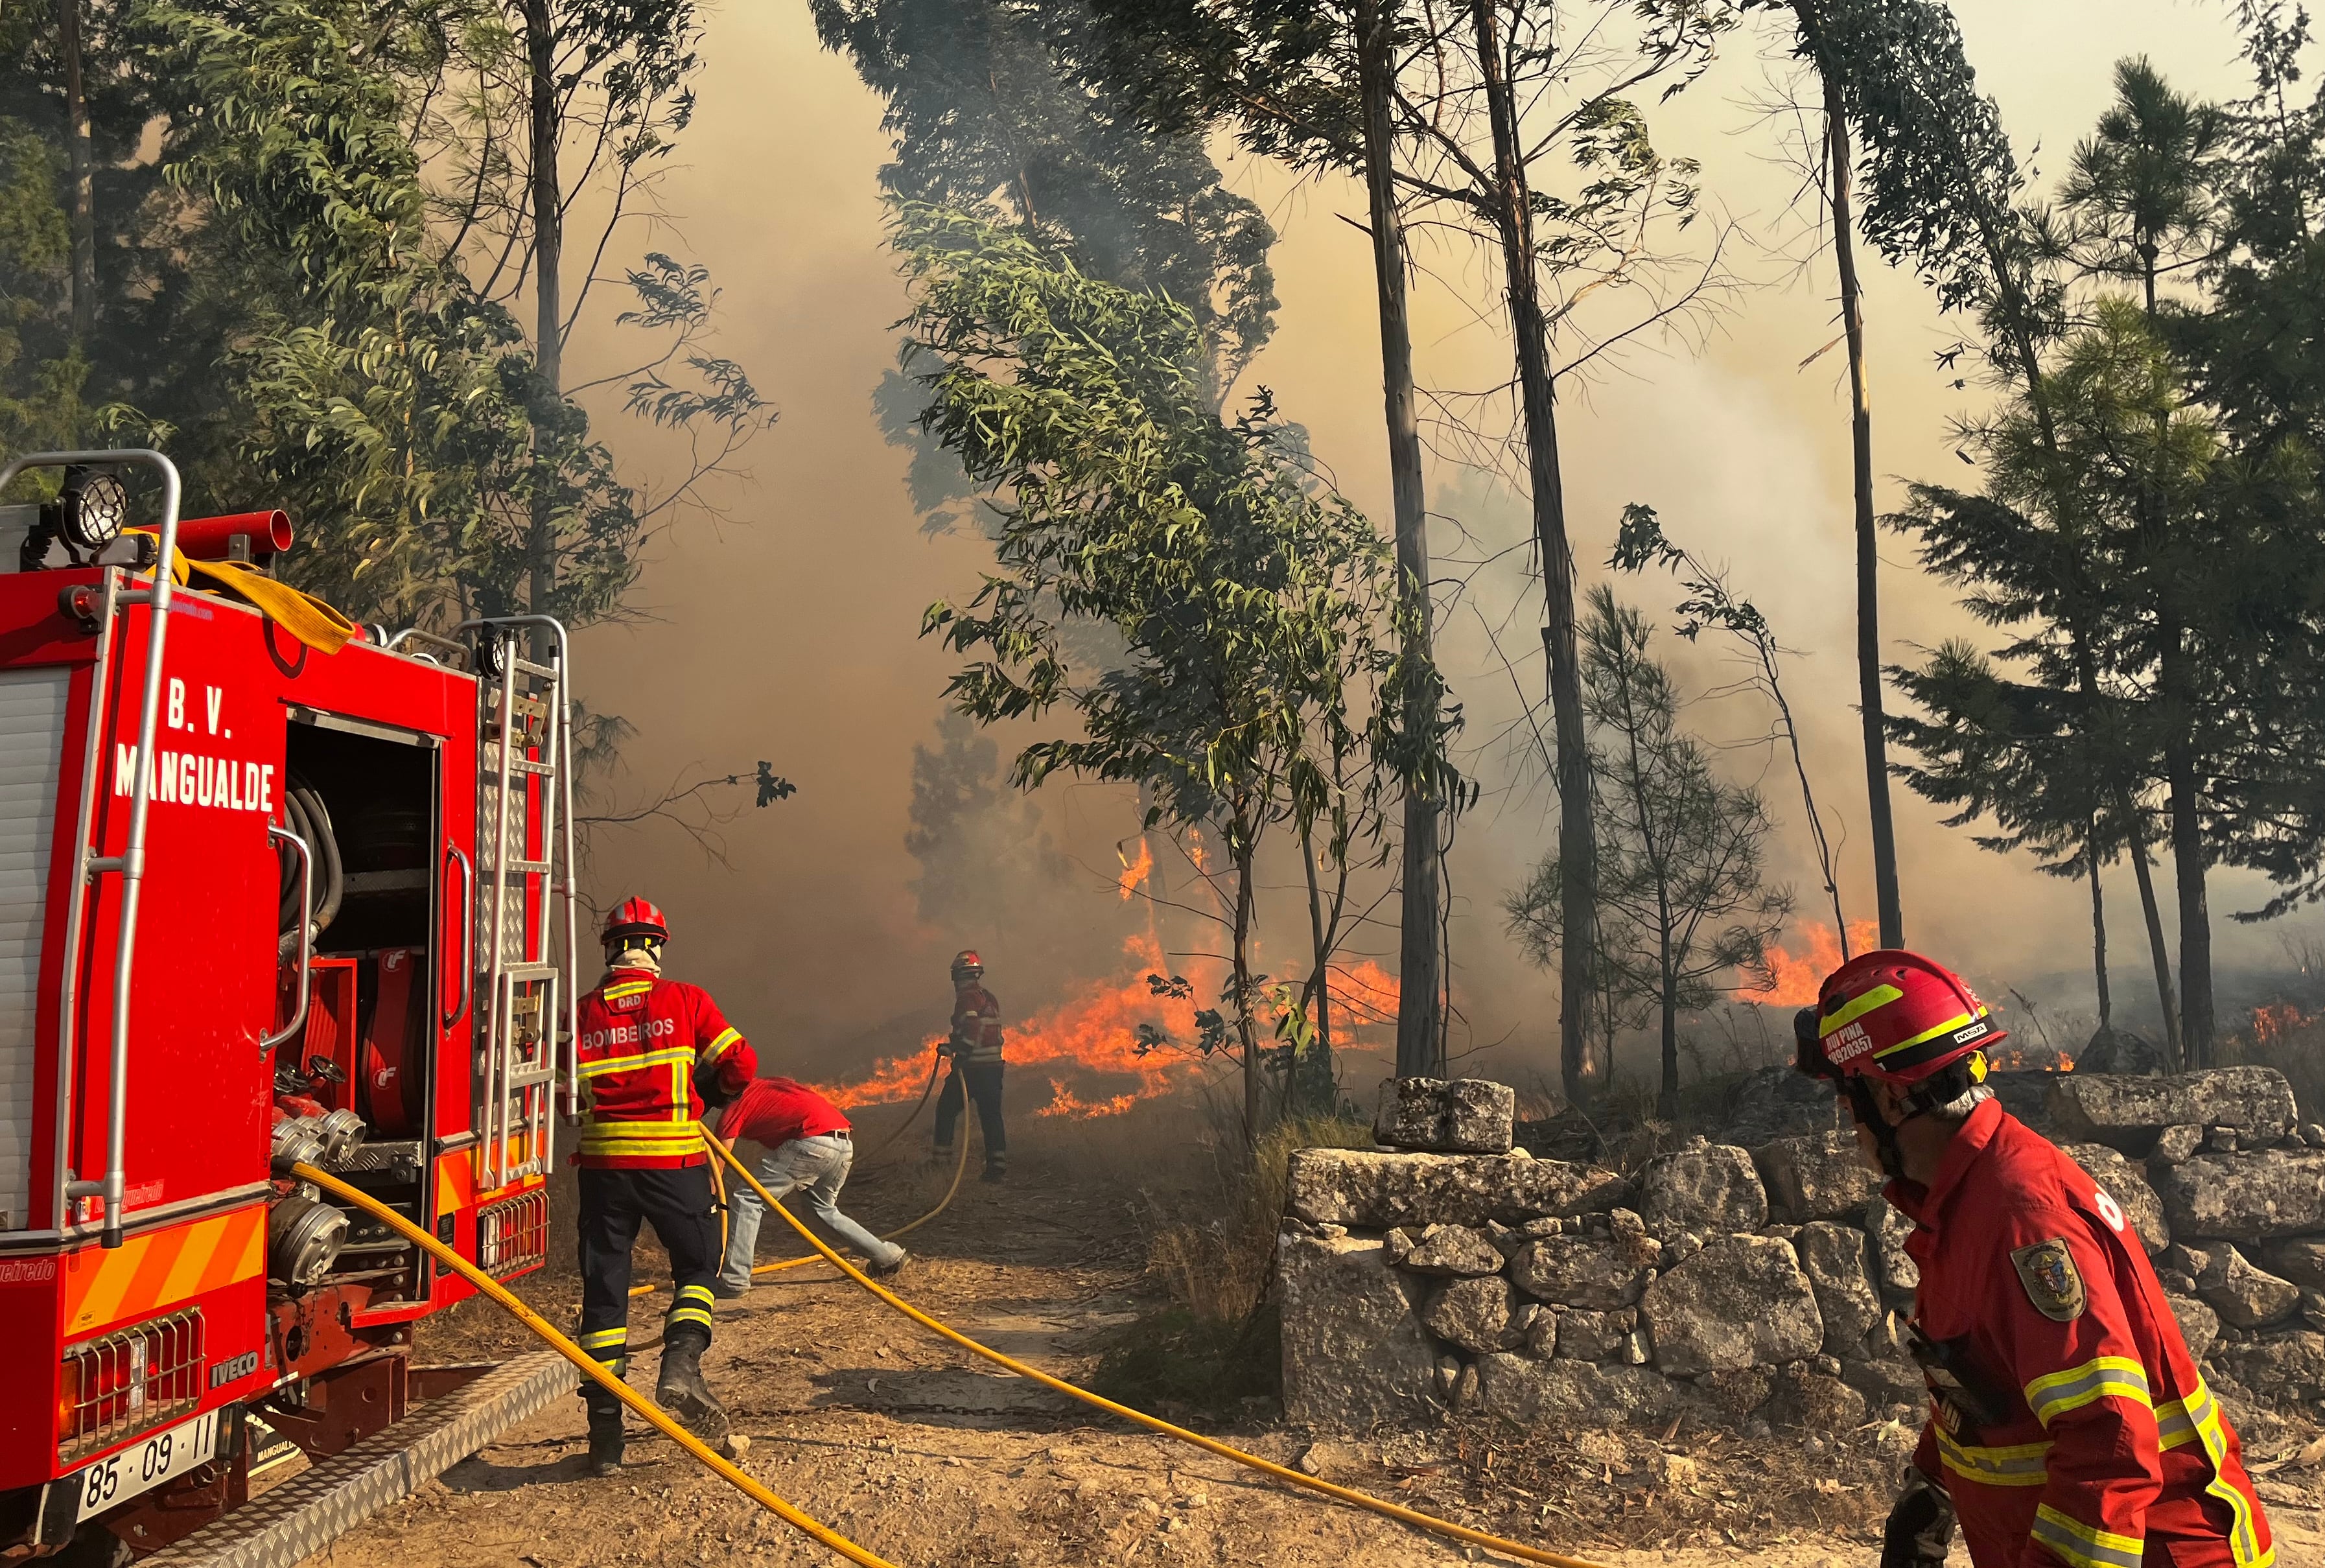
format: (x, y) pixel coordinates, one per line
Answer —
(968, 964)
(1894, 1015)
(636, 917)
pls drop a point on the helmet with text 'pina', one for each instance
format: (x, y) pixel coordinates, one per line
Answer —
(1895, 1016)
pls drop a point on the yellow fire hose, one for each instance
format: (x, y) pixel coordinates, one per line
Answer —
(1429, 1522)
(653, 1413)
(959, 1169)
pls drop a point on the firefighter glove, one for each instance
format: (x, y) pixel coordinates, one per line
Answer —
(1921, 1525)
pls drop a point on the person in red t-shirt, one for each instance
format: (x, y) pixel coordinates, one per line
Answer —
(808, 1149)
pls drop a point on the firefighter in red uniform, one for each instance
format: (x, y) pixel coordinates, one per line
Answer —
(974, 1051)
(649, 1049)
(2068, 1427)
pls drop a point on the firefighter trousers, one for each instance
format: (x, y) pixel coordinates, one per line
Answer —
(680, 1207)
(982, 1081)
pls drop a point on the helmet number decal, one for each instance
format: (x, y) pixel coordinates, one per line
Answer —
(2110, 1210)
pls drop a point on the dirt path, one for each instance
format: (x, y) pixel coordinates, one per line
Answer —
(909, 1447)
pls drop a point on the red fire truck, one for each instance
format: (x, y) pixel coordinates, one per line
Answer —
(258, 904)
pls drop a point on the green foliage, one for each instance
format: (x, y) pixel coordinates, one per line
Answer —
(1258, 676)
(379, 392)
(1683, 902)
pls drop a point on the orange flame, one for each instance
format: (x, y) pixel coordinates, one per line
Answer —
(1095, 1034)
(2270, 1024)
(1800, 976)
(1135, 873)
(1063, 1101)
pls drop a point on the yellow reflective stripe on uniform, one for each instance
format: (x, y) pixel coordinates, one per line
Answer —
(2024, 1465)
(2103, 1377)
(712, 1052)
(1959, 1021)
(627, 988)
(1856, 1007)
(603, 1065)
(700, 1293)
(2078, 1543)
(640, 1137)
(689, 1314)
(601, 1338)
(2175, 1427)
(2203, 1413)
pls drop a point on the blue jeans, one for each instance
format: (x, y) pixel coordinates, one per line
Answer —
(817, 1166)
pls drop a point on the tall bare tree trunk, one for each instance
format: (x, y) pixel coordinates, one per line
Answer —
(80, 175)
(1577, 849)
(1254, 1104)
(2098, 926)
(1320, 974)
(1868, 554)
(1421, 975)
(548, 242)
(2158, 949)
(2196, 1020)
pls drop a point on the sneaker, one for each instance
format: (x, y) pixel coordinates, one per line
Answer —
(994, 1173)
(891, 1270)
(724, 1292)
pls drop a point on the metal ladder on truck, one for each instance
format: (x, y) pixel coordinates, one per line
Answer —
(530, 1006)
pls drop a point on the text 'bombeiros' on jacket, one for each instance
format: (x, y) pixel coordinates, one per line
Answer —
(646, 1045)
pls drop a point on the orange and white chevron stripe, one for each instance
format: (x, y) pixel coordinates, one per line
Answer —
(161, 1270)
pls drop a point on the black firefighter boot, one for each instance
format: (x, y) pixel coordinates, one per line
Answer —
(604, 1430)
(605, 1441)
(680, 1390)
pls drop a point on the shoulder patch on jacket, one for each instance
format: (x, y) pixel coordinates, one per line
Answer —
(2047, 1271)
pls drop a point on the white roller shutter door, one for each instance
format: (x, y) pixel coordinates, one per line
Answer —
(31, 743)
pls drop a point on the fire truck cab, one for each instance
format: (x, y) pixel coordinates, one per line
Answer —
(259, 903)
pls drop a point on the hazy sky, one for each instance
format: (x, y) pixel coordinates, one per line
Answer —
(789, 631)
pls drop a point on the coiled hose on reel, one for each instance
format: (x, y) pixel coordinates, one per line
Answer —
(304, 814)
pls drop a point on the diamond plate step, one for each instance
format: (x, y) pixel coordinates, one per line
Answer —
(307, 1513)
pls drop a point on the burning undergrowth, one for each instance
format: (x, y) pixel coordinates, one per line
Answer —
(1145, 1030)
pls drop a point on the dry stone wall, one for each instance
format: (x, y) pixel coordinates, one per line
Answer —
(1450, 1269)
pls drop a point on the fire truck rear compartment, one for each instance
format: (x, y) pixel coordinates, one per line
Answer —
(366, 803)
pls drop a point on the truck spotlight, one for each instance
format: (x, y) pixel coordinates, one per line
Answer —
(92, 508)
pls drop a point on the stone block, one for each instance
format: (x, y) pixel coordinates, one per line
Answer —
(1575, 1394)
(1813, 1401)
(2301, 1260)
(1477, 1314)
(2128, 1184)
(1741, 1302)
(2245, 1197)
(1889, 1380)
(2284, 1367)
(2175, 1143)
(1596, 1272)
(1376, 1190)
(1737, 1394)
(1452, 1249)
(1838, 1261)
(1461, 1116)
(2246, 1296)
(1707, 1187)
(1354, 1352)
(1593, 1336)
(2200, 1325)
(2131, 1113)
(1815, 1178)
(1898, 1274)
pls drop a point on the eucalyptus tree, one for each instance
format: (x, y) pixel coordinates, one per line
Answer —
(1315, 86)
(1258, 681)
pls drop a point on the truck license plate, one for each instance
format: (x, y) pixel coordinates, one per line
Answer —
(146, 1465)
